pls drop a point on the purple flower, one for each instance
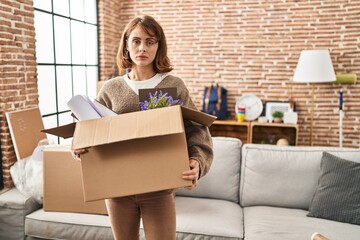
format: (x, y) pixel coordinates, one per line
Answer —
(158, 101)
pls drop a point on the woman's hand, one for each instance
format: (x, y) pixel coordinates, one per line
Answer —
(78, 152)
(192, 174)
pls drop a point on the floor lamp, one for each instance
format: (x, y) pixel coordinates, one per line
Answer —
(314, 66)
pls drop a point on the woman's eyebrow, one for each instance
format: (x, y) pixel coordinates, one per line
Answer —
(139, 38)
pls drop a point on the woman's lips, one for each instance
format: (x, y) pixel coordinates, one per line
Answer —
(142, 57)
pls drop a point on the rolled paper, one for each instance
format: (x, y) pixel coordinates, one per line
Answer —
(346, 78)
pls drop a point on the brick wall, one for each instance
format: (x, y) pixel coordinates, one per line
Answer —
(253, 46)
(109, 36)
(18, 86)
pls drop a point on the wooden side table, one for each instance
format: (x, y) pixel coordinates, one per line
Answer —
(255, 132)
(231, 128)
(272, 132)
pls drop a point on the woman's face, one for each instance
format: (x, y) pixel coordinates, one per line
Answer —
(142, 47)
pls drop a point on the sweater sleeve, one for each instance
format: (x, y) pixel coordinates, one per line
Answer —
(199, 141)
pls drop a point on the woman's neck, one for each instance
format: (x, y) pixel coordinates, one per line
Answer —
(141, 74)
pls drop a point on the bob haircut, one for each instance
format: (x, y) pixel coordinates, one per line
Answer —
(161, 62)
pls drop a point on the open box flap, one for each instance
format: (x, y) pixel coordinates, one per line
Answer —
(65, 131)
(199, 117)
(143, 124)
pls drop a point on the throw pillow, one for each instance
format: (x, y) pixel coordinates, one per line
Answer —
(337, 196)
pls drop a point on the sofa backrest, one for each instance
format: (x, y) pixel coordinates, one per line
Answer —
(222, 180)
(283, 176)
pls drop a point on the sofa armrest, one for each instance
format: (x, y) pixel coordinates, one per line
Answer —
(13, 209)
(223, 178)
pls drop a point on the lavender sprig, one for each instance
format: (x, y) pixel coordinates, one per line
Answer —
(159, 101)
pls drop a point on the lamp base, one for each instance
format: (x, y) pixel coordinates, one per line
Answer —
(312, 112)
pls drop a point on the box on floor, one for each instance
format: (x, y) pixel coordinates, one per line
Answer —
(63, 190)
(133, 153)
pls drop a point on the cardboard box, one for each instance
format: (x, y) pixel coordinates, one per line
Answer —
(134, 153)
(63, 184)
(63, 190)
(25, 126)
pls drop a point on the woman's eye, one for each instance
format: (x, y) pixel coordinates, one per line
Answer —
(136, 41)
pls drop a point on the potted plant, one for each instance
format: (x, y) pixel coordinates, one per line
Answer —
(277, 116)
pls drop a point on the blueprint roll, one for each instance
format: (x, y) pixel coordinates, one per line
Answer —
(346, 78)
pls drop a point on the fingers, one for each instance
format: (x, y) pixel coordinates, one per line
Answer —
(76, 156)
(77, 153)
(193, 185)
(192, 174)
(194, 164)
(80, 151)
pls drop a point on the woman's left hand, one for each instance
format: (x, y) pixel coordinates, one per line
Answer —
(192, 174)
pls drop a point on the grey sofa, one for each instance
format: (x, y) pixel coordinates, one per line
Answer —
(252, 192)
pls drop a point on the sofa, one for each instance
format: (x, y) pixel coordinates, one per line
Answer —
(252, 192)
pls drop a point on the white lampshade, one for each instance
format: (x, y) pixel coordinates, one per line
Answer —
(314, 66)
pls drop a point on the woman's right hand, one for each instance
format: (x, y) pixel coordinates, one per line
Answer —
(77, 153)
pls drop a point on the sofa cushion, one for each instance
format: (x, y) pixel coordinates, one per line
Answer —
(211, 219)
(273, 223)
(13, 209)
(283, 176)
(337, 196)
(63, 225)
(196, 218)
(222, 181)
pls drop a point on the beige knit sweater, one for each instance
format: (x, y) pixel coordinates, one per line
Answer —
(118, 96)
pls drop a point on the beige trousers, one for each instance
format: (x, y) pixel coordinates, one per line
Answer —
(157, 210)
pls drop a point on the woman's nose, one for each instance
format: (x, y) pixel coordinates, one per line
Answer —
(142, 47)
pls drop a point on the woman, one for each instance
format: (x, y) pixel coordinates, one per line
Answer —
(143, 51)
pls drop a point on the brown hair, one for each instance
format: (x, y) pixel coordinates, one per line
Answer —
(161, 62)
